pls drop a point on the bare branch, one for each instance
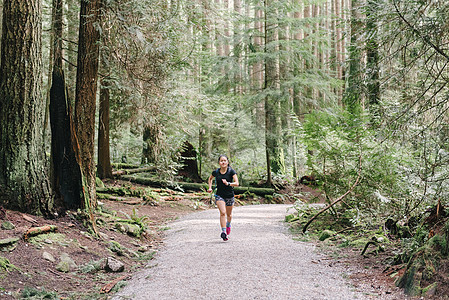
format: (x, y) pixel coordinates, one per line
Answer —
(339, 198)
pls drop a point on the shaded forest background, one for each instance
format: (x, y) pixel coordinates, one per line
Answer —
(342, 91)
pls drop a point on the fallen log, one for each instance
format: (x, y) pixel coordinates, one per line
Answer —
(39, 230)
(121, 191)
(124, 166)
(133, 171)
(194, 186)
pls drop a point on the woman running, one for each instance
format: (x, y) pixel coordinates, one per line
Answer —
(226, 179)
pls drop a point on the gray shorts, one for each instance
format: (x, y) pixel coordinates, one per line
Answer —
(228, 201)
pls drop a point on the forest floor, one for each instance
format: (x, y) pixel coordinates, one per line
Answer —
(30, 269)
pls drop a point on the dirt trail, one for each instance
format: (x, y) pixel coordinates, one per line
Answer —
(260, 261)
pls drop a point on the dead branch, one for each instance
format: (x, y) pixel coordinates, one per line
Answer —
(29, 219)
(39, 230)
(339, 198)
(108, 287)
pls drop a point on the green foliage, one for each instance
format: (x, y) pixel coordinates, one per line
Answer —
(38, 294)
(93, 266)
(116, 248)
(290, 218)
(411, 245)
(325, 234)
(146, 256)
(52, 236)
(99, 183)
(438, 243)
(119, 166)
(388, 185)
(134, 220)
(6, 266)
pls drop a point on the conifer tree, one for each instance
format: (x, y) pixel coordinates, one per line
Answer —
(23, 181)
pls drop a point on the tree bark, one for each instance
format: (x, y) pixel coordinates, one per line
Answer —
(23, 182)
(66, 175)
(72, 33)
(189, 164)
(151, 141)
(274, 150)
(104, 168)
(352, 98)
(372, 53)
(237, 49)
(85, 98)
(218, 35)
(257, 74)
(51, 60)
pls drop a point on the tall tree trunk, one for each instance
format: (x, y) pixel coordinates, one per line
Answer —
(274, 151)
(257, 76)
(66, 175)
(207, 48)
(218, 35)
(341, 26)
(85, 98)
(51, 61)
(227, 33)
(151, 141)
(315, 44)
(72, 33)
(297, 69)
(1, 21)
(285, 60)
(237, 48)
(104, 168)
(372, 53)
(352, 98)
(307, 91)
(296, 101)
(23, 182)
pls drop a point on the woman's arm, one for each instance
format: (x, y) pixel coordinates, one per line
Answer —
(209, 181)
(235, 181)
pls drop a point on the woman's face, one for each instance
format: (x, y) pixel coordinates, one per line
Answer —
(223, 162)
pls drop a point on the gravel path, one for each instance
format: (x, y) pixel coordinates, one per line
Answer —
(259, 261)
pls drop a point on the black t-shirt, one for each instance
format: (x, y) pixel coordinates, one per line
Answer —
(223, 190)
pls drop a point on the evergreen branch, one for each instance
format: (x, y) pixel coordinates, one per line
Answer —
(339, 198)
(417, 32)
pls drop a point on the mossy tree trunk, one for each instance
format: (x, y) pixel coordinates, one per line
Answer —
(85, 97)
(352, 97)
(72, 14)
(66, 175)
(104, 168)
(372, 53)
(273, 137)
(24, 185)
(151, 141)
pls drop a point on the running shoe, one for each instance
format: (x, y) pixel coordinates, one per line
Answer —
(228, 230)
(224, 236)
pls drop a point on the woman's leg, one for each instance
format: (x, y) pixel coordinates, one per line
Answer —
(229, 218)
(229, 213)
(222, 208)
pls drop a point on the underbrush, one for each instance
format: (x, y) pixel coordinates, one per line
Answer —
(415, 252)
